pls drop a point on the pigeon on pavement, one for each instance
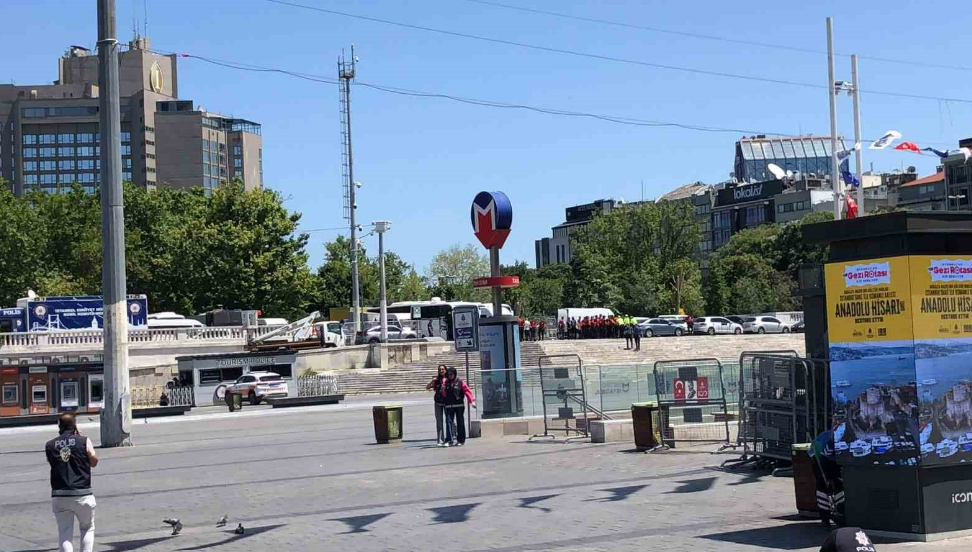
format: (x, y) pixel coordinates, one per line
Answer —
(239, 529)
(175, 523)
(222, 521)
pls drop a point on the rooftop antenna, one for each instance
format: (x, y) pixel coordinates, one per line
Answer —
(145, 13)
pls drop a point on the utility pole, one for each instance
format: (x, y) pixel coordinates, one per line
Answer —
(382, 226)
(346, 72)
(858, 153)
(116, 416)
(831, 93)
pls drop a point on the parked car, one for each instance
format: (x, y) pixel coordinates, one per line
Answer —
(679, 320)
(660, 326)
(764, 324)
(256, 386)
(395, 332)
(799, 327)
(716, 324)
(741, 320)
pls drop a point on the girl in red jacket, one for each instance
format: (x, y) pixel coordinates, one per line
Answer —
(456, 392)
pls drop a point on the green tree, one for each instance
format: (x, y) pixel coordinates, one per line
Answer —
(626, 259)
(453, 271)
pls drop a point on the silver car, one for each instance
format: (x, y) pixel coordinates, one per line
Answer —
(764, 324)
(715, 324)
(395, 332)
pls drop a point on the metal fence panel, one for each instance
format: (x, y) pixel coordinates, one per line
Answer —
(691, 396)
(316, 385)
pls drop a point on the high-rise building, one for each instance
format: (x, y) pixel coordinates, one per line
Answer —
(807, 155)
(557, 249)
(49, 134)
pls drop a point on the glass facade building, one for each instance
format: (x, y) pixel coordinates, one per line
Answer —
(800, 154)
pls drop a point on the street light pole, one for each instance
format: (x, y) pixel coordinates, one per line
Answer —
(831, 93)
(382, 226)
(858, 153)
(116, 416)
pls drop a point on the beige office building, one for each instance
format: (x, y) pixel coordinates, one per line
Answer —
(49, 134)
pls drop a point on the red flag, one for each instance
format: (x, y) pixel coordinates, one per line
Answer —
(909, 146)
(852, 205)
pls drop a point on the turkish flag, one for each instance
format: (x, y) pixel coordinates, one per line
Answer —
(679, 390)
(851, 207)
(908, 146)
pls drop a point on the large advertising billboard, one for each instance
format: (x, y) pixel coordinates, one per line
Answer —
(872, 361)
(941, 288)
(79, 313)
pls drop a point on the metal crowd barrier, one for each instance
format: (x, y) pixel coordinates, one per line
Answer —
(316, 385)
(744, 386)
(777, 406)
(563, 387)
(150, 397)
(691, 396)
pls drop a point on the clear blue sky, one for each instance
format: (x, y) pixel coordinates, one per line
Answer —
(422, 160)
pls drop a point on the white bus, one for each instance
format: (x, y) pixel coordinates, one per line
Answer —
(434, 318)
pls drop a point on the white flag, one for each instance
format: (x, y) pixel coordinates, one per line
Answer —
(886, 140)
(844, 154)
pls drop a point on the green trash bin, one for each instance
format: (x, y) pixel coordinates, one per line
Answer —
(234, 401)
(646, 425)
(388, 423)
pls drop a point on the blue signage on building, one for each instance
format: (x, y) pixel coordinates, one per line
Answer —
(79, 313)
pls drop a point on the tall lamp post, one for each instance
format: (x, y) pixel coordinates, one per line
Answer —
(382, 226)
(116, 416)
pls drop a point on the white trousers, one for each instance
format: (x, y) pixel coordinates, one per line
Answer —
(66, 508)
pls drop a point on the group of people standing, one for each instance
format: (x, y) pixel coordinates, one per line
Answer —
(450, 407)
(596, 327)
(533, 330)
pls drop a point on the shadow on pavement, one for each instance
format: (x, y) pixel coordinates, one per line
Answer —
(529, 501)
(618, 494)
(792, 536)
(134, 544)
(357, 524)
(452, 514)
(694, 486)
(233, 537)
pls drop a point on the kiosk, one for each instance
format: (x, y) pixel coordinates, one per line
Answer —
(894, 315)
(491, 215)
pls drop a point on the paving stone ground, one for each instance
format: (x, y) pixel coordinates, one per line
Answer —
(315, 480)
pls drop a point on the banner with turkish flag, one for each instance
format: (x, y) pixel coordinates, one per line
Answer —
(908, 146)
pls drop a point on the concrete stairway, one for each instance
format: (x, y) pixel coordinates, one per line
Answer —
(722, 347)
(414, 377)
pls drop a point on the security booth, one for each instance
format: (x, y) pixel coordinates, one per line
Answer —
(211, 374)
(893, 314)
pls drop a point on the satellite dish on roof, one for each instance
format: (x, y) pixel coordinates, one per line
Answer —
(775, 169)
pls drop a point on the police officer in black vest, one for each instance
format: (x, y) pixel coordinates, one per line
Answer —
(71, 456)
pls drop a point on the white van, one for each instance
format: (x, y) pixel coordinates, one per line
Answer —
(577, 314)
(172, 320)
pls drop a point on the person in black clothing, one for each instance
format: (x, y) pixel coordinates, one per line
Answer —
(456, 392)
(71, 456)
(439, 399)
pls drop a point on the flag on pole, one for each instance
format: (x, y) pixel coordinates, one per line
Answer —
(844, 154)
(851, 207)
(886, 140)
(908, 146)
(849, 178)
(940, 153)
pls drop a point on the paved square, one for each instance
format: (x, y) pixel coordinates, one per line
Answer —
(313, 479)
